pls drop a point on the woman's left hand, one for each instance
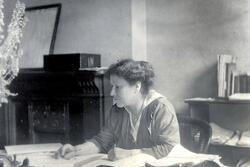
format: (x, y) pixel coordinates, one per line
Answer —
(117, 153)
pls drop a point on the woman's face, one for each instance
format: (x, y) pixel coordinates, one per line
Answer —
(122, 92)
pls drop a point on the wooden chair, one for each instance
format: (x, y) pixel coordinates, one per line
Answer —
(195, 134)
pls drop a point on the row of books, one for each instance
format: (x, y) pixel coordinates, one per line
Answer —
(230, 79)
(241, 82)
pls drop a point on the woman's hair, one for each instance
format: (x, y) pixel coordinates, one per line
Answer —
(134, 71)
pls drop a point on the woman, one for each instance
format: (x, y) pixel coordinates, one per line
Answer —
(140, 121)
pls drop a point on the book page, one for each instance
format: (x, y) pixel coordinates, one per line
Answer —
(138, 160)
(32, 148)
(180, 155)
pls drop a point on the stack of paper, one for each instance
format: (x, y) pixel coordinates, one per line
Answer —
(228, 137)
(223, 136)
(240, 96)
(181, 156)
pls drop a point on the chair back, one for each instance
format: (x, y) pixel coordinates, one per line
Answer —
(195, 134)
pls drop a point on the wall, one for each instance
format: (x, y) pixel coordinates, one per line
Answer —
(93, 26)
(184, 39)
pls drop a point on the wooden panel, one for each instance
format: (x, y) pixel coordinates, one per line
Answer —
(2, 126)
(49, 120)
(55, 106)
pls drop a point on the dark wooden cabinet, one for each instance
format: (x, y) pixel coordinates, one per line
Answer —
(54, 106)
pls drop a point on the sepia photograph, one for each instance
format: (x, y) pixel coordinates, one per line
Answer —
(124, 83)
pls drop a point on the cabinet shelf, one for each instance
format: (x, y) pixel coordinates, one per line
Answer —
(227, 145)
(215, 101)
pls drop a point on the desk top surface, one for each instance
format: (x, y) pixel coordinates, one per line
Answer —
(178, 155)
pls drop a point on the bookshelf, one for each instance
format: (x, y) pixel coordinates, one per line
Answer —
(216, 100)
(199, 107)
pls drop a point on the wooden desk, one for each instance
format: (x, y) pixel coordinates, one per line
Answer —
(93, 160)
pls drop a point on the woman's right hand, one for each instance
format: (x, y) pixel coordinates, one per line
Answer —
(67, 151)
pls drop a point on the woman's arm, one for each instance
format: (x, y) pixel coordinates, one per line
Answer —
(166, 130)
(68, 151)
(102, 142)
(120, 153)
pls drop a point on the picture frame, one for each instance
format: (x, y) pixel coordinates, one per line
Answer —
(39, 34)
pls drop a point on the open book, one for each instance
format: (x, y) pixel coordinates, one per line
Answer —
(178, 155)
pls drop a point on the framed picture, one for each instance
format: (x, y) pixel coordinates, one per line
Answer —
(39, 34)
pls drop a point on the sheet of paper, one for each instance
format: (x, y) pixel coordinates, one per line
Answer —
(180, 155)
(32, 148)
(138, 160)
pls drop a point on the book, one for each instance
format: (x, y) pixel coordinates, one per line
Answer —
(235, 82)
(247, 82)
(222, 61)
(243, 82)
(230, 68)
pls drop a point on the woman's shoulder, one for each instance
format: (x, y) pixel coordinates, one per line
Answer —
(155, 99)
(116, 111)
(115, 115)
(160, 106)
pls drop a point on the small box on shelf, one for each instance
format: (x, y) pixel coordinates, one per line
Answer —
(71, 61)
